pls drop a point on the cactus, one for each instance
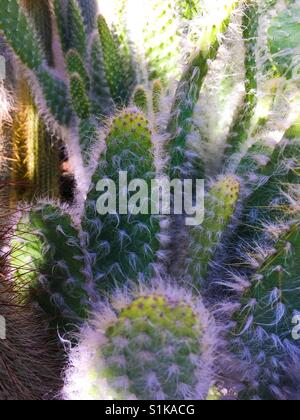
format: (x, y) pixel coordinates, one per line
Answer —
(140, 99)
(31, 146)
(77, 34)
(48, 246)
(221, 205)
(120, 351)
(75, 65)
(30, 354)
(243, 123)
(130, 104)
(89, 13)
(80, 99)
(284, 40)
(161, 40)
(45, 250)
(102, 102)
(41, 17)
(113, 65)
(189, 8)
(20, 34)
(133, 238)
(269, 302)
(188, 91)
(157, 91)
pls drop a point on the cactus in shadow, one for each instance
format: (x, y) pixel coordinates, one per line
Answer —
(140, 99)
(45, 251)
(283, 37)
(114, 68)
(242, 125)
(30, 357)
(89, 13)
(30, 354)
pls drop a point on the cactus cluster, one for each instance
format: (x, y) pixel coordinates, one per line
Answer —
(151, 308)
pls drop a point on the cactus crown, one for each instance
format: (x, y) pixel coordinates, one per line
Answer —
(102, 100)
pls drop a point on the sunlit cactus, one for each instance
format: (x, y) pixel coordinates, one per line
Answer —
(284, 40)
(115, 96)
(221, 205)
(140, 99)
(113, 64)
(154, 344)
(262, 335)
(129, 243)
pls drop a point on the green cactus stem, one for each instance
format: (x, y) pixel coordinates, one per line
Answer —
(20, 34)
(157, 92)
(239, 132)
(112, 62)
(155, 345)
(89, 14)
(102, 103)
(75, 65)
(220, 206)
(49, 264)
(284, 39)
(263, 323)
(80, 99)
(76, 28)
(124, 245)
(140, 99)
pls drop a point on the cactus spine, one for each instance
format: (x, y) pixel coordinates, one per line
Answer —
(189, 88)
(269, 302)
(221, 204)
(133, 238)
(125, 340)
(128, 105)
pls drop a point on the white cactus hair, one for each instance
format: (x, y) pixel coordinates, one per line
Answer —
(30, 357)
(6, 107)
(211, 129)
(80, 384)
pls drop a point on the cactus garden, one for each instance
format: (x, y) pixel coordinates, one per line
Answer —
(158, 297)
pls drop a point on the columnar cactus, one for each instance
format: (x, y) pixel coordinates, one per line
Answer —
(32, 146)
(44, 250)
(140, 99)
(153, 344)
(188, 90)
(48, 246)
(133, 239)
(221, 205)
(30, 354)
(269, 302)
